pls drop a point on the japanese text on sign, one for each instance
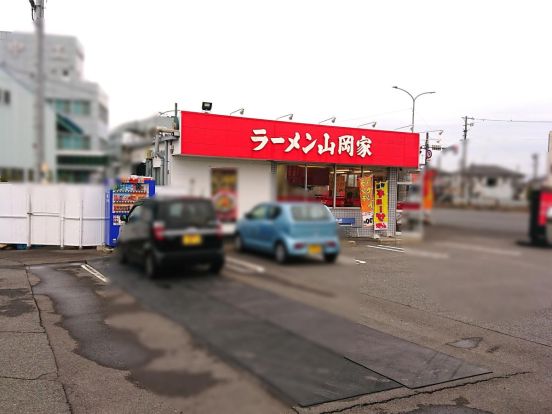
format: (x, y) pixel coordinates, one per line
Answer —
(381, 219)
(345, 143)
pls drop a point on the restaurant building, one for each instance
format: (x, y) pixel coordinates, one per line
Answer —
(241, 162)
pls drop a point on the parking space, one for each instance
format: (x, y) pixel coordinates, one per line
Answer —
(306, 355)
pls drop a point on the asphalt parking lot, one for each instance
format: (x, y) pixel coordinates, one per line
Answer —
(459, 323)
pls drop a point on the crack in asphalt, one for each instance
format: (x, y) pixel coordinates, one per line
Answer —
(49, 343)
(429, 392)
(21, 332)
(39, 378)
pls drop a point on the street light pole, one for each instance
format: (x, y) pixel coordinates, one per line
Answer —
(422, 175)
(413, 102)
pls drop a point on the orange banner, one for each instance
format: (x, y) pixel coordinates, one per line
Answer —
(428, 190)
(366, 186)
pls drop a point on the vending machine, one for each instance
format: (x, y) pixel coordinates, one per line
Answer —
(120, 196)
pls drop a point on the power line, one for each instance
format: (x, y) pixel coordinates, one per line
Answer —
(375, 115)
(512, 120)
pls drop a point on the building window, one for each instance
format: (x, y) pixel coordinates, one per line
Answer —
(63, 106)
(11, 175)
(68, 107)
(320, 183)
(347, 191)
(73, 141)
(80, 107)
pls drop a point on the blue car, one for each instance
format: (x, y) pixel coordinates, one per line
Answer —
(289, 229)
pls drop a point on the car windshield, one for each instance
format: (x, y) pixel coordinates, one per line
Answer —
(181, 213)
(310, 212)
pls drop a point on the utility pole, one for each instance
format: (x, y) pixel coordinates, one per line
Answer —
(426, 147)
(463, 183)
(38, 18)
(535, 166)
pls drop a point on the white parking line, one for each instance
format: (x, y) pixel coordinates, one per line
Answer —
(387, 248)
(95, 273)
(236, 263)
(481, 249)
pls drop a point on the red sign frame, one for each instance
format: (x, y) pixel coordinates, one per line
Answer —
(210, 135)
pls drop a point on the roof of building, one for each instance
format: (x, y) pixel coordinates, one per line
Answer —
(480, 170)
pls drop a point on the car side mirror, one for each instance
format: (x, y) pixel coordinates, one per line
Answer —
(124, 218)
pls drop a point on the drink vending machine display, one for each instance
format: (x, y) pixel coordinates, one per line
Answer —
(119, 199)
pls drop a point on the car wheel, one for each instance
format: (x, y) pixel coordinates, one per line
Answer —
(151, 266)
(123, 256)
(330, 257)
(280, 253)
(238, 243)
(216, 267)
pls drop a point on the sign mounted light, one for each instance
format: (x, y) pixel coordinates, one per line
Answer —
(206, 106)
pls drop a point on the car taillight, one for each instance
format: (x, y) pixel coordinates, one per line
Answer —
(331, 244)
(159, 230)
(299, 245)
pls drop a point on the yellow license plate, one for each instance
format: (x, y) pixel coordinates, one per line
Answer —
(315, 249)
(192, 239)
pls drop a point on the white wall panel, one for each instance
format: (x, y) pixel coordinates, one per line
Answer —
(70, 215)
(192, 176)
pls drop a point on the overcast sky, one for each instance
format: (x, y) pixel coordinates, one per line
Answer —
(318, 58)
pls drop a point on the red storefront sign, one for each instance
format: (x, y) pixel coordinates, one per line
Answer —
(544, 205)
(237, 137)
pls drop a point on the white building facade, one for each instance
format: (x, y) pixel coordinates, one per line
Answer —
(81, 143)
(17, 133)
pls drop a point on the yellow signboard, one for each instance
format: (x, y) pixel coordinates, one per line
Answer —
(381, 207)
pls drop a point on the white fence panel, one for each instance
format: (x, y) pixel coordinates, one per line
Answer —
(13, 214)
(58, 215)
(45, 214)
(93, 215)
(72, 225)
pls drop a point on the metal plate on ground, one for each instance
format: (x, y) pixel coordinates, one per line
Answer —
(301, 371)
(405, 362)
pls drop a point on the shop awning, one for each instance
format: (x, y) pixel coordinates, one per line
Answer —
(67, 125)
